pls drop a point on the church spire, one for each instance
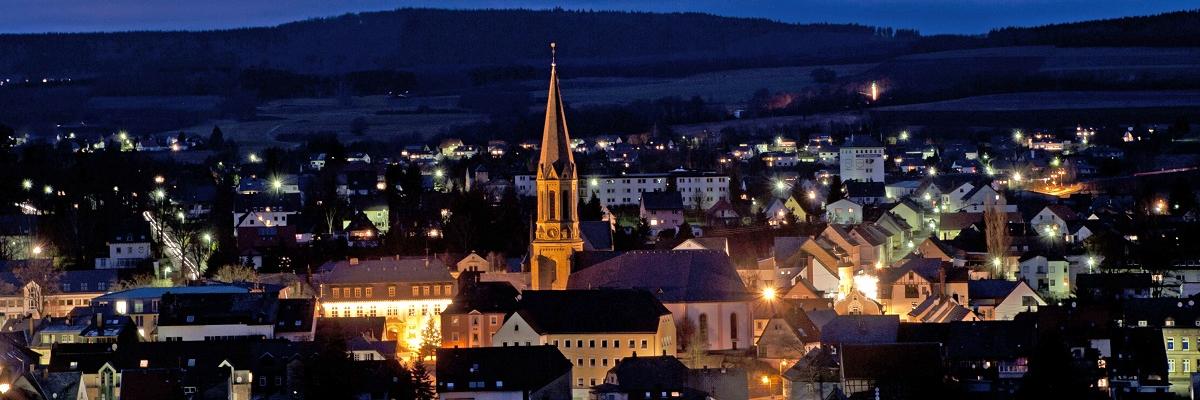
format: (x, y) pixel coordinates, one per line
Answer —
(556, 142)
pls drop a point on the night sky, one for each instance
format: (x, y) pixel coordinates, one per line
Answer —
(929, 16)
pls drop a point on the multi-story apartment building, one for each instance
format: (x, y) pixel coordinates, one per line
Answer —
(703, 188)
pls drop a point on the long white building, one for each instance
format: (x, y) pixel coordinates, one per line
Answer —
(618, 190)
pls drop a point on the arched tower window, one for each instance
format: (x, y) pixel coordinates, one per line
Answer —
(550, 203)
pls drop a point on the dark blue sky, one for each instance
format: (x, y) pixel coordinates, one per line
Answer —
(929, 16)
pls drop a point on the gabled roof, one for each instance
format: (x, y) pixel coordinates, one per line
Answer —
(597, 235)
(996, 289)
(860, 329)
(1064, 212)
(639, 374)
(673, 276)
(590, 311)
(514, 368)
(662, 201)
(96, 280)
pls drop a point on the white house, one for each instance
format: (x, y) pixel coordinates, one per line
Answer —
(1002, 300)
(843, 212)
(1049, 276)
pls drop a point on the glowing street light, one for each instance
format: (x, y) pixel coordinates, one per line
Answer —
(48, 189)
(903, 135)
(780, 185)
(27, 184)
(812, 195)
(1017, 135)
(276, 184)
(932, 171)
(159, 179)
(769, 294)
(1016, 177)
(207, 238)
(254, 158)
(438, 173)
(37, 250)
(160, 194)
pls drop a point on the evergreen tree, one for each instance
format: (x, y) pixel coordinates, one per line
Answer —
(837, 190)
(216, 139)
(592, 210)
(422, 383)
(685, 232)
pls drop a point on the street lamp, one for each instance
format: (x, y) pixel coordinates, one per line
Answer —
(27, 184)
(276, 184)
(769, 294)
(48, 189)
(159, 179)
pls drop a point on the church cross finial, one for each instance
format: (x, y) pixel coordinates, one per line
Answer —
(553, 54)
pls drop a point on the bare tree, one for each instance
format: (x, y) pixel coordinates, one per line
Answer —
(236, 273)
(995, 220)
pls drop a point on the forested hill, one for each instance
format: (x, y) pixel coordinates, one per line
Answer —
(1174, 29)
(416, 39)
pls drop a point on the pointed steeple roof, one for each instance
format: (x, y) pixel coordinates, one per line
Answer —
(556, 142)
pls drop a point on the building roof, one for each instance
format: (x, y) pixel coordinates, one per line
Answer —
(860, 329)
(997, 289)
(87, 281)
(674, 276)
(662, 201)
(218, 308)
(514, 368)
(392, 269)
(597, 235)
(649, 374)
(857, 189)
(157, 292)
(913, 363)
(295, 315)
(861, 141)
(486, 297)
(607, 310)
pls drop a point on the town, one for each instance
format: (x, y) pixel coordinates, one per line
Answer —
(675, 249)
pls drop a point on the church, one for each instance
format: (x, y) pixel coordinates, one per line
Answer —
(557, 235)
(700, 286)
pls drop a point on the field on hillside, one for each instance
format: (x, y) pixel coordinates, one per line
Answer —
(1032, 101)
(286, 122)
(725, 87)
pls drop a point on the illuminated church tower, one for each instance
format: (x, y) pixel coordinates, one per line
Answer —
(557, 232)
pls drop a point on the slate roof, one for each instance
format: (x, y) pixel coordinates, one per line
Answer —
(860, 329)
(218, 308)
(864, 189)
(674, 276)
(996, 289)
(352, 326)
(278, 202)
(975, 340)
(486, 297)
(597, 235)
(96, 280)
(60, 385)
(651, 374)
(921, 362)
(662, 201)
(519, 368)
(402, 269)
(295, 315)
(607, 310)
